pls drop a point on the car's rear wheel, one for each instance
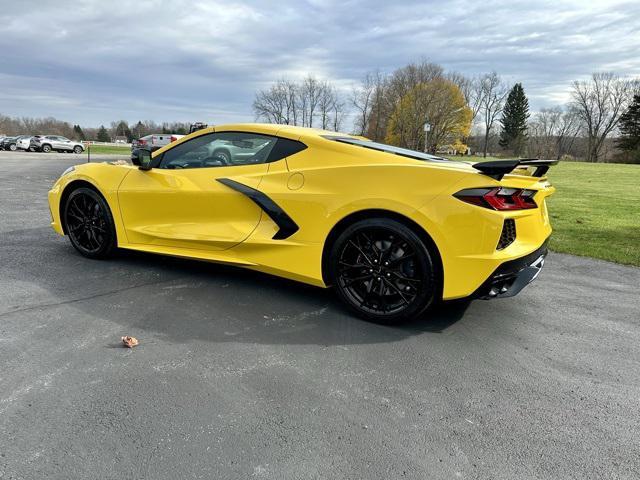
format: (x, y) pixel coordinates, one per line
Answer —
(77, 149)
(46, 148)
(89, 223)
(383, 271)
(13, 147)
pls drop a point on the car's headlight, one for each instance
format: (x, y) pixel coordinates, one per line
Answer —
(68, 170)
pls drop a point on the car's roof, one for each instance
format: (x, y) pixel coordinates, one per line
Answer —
(275, 129)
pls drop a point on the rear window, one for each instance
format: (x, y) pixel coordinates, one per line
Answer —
(382, 147)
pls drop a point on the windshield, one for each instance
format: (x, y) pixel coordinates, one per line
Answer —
(382, 147)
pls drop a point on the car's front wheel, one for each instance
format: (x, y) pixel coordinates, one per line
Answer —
(77, 149)
(383, 271)
(89, 223)
(12, 147)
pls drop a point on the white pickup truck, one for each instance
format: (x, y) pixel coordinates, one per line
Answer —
(154, 141)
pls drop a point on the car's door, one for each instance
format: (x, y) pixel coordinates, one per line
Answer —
(56, 142)
(181, 203)
(64, 143)
(51, 140)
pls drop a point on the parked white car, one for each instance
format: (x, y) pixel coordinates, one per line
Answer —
(23, 142)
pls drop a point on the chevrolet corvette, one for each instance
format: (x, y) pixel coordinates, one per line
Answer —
(392, 230)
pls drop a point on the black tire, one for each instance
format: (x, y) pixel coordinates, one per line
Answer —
(78, 149)
(13, 147)
(89, 223)
(383, 271)
(46, 148)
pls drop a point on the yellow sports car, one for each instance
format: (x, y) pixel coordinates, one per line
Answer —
(392, 230)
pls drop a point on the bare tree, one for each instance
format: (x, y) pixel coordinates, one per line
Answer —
(326, 102)
(553, 132)
(599, 102)
(362, 99)
(568, 129)
(309, 95)
(300, 103)
(271, 104)
(381, 108)
(339, 112)
(493, 91)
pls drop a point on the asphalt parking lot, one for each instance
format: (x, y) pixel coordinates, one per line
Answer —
(242, 375)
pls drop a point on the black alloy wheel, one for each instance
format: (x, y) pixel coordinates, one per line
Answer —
(383, 271)
(89, 223)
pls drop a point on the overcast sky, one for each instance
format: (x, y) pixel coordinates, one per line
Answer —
(96, 61)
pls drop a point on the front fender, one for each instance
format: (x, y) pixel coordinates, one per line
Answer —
(104, 177)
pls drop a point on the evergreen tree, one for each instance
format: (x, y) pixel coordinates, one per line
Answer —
(513, 135)
(139, 130)
(103, 135)
(122, 130)
(78, 132)
(629, 140)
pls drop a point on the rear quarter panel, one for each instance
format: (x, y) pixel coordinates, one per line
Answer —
(329, 185)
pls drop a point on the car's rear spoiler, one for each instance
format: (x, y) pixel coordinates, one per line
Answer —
(499, 168)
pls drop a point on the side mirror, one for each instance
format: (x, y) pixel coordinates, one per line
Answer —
(142, 158)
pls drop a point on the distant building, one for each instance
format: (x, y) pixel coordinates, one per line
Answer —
(120, 139)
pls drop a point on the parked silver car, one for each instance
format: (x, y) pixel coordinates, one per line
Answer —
(47, 143)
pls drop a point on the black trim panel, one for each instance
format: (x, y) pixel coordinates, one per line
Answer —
(284, 147)
(508, 272)
(287, 226)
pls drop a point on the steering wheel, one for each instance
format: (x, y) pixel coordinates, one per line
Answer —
(221, 157)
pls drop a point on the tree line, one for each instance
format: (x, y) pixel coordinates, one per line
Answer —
(482, 114)
(116, 129)
(307, 103)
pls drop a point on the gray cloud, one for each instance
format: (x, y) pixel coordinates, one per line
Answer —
(92, 62)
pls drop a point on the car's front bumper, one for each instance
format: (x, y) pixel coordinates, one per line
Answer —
(512, 276)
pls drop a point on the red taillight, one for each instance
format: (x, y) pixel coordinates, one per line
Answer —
(499, 198)
(142, 142)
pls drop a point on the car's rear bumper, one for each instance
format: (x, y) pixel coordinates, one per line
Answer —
(512, 276)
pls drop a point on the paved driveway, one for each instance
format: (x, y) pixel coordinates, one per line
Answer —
(242, 375)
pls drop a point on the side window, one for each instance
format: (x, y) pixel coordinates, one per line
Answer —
(219, 150)
(285, 147)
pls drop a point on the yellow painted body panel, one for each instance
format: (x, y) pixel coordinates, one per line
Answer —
(188, 213)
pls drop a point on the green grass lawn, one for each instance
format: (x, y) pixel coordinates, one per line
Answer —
(110, 150)
(595, 211)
